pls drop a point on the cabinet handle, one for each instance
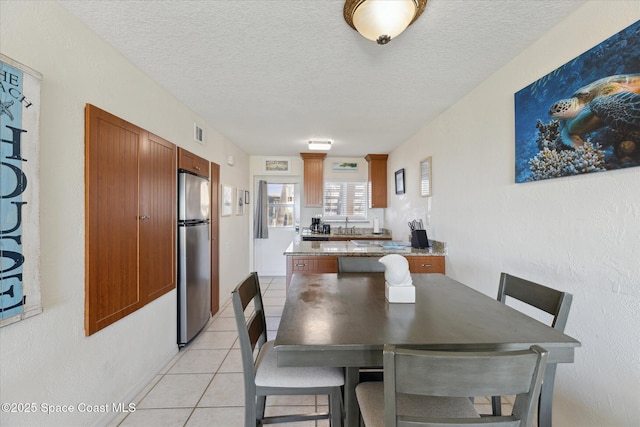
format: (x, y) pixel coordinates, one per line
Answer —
(301, 265)
(197, 168)
(144, 217)
(427, 265)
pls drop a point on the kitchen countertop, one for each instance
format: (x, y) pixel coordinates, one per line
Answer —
(360, 233)
(364, 248)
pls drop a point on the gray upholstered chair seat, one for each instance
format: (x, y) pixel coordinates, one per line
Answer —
(263, 377)
(268, 374)
(371, 401)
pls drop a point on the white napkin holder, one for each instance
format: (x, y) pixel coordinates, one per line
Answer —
(398, 283)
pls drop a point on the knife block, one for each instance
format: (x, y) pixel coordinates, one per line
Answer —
(419, 239)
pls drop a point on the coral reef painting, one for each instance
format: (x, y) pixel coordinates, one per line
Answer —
(584, 116)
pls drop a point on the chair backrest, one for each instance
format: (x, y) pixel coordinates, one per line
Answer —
(549, 300)
(252, 330)
(359, 264)
(464, 374)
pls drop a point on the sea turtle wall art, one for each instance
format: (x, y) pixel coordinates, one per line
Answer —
(584, 116)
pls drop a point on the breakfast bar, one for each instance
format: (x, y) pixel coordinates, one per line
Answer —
(322, 257)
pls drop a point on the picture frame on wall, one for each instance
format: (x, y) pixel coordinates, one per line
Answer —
(345, 167)
(226, 207)
(400, 181)
(240, 202)
(581, 117)
(277, 166)
(425, 177)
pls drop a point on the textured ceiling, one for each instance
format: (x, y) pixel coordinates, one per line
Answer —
(272, 74)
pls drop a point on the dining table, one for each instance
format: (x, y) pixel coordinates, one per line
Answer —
(344, 320)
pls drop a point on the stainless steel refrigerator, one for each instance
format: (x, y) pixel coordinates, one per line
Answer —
(194, 256)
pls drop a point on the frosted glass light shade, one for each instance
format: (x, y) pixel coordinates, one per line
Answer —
(320, 145)
(383, 20)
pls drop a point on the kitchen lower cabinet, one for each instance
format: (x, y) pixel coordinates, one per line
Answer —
(426, 264)
(304, 264)
(130, 218)
(310, 265)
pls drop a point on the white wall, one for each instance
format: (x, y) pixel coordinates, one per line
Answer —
(579, 234)
(47, 359)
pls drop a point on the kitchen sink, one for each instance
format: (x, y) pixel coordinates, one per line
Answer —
(385, 244)
(367, 242)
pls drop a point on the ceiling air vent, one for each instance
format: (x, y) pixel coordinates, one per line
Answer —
(198, 133)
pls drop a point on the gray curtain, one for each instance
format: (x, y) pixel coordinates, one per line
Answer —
(261, 224)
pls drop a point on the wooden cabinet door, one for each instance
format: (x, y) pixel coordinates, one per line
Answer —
(313, 179)
(377, 181)
(130, 184)
(192, 163)
(215, 241)
(157, 217)
(112, 201)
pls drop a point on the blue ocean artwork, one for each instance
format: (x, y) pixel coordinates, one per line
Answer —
(584, 116)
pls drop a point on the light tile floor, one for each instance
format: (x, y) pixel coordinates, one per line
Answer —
(203, 385)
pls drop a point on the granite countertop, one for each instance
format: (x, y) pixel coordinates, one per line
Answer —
(364, 248)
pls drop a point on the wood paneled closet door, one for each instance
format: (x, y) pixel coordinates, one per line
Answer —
(157, 217)
(130, 196)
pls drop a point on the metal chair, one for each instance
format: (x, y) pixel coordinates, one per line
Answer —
(551, 301)
(262, 376)
(359, 264)
(429, 388)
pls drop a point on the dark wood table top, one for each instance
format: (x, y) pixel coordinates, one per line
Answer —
(344, 320)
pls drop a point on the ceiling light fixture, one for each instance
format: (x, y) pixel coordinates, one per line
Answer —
(382, 20)
(320, 145)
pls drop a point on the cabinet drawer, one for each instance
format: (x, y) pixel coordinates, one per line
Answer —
(321, 264)
(426, 264)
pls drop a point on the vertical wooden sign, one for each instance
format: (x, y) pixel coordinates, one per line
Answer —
(19, 191)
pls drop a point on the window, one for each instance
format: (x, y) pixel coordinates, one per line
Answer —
(345, 199)
(281, 204)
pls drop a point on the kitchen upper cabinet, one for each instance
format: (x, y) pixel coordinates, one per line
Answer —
(313, 179)
(192, 163)
(377, 181)
(130, 219)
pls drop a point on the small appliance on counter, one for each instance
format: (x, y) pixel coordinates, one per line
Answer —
(326, 229)
(316, 226)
